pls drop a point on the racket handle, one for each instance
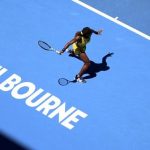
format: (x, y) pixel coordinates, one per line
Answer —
(58, 52)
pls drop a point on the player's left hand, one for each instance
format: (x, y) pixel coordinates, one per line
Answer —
(100, 31)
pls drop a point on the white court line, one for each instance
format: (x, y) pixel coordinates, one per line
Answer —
(112, 19)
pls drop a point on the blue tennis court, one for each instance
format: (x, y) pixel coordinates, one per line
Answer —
(109, 112)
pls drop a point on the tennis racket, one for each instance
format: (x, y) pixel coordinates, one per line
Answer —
(64, 81)
(47, 47)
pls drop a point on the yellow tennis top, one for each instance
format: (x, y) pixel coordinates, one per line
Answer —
(78, 46)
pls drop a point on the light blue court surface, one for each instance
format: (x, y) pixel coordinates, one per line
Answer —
(116, 101)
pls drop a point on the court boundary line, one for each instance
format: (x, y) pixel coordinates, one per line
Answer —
(112, 19)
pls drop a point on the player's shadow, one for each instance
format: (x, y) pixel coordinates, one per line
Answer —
(95, 67)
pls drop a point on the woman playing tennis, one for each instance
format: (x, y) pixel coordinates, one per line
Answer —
(79, 43)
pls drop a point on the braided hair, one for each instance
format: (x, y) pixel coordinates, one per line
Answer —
(85, 32)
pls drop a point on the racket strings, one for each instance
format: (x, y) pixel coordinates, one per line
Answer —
(63, 81)
(44, 45)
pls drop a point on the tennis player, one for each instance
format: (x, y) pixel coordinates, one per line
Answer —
(79, 43)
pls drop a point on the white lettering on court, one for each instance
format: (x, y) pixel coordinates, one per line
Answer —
(45, 103)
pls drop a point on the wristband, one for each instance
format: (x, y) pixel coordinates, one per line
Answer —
(63, 49)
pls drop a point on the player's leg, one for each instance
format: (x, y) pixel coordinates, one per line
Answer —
(86, 65)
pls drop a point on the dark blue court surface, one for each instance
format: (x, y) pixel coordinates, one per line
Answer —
(135, 13)
(109, 112)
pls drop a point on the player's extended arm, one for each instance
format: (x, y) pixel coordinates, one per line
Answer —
(97, 32)
(75, 39)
